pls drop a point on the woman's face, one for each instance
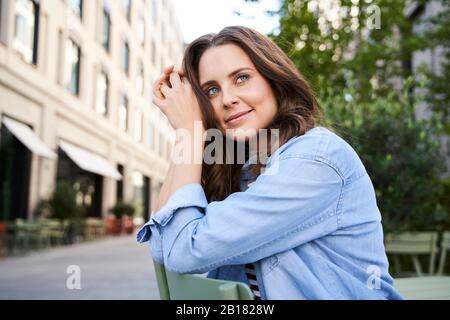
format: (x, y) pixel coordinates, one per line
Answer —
(234, 86)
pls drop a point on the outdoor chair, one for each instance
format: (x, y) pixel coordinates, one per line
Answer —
(445, 246)
(413, 244)
(2, 239)
(424, 288)
(54, 230)
(94, 229)
(174, 286)
(27, 235)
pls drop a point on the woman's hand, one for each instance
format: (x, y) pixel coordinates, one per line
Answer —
(174, 96)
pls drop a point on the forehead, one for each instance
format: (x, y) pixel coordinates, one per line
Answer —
(218, 62)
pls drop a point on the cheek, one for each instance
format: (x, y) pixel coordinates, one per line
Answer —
(265, 114)
(218, 114)
(265, 105)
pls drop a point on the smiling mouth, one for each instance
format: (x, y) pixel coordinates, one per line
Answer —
(238, 118)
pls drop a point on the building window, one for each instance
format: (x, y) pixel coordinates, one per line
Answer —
(168, 150)
(15, 172)
(77, 7)
(26, 29)
(138, 125)
(126, 5)
(126, 57)
(150, 88)
(141, 30)
(101, 105)
(1, 26)
(150, 135)
(123, 113)
(140, 79)
(106, 26)
(153, 53)
(119, 189)
(154, 11)
(161, 144)
(72, 67)
(169, 50)
(138, 193)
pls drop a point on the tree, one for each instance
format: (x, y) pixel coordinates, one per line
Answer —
(400, 155)
(63, 206)
(361, 73)
(331, 41)
(437, 37)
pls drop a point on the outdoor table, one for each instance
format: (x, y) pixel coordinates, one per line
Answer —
(424, 288)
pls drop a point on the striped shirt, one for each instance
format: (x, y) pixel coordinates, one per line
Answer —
(251, 275)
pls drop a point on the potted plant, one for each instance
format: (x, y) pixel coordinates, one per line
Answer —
(123, 216)
(64, 207)
(2, 238)
(111, 225)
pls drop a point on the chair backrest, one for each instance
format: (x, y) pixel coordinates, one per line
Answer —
(445, 246)
(174, 286)
(161, 279)
(412, 243)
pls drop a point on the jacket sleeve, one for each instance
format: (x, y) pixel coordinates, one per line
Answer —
(291, 203)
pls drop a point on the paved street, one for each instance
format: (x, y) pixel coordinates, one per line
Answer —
(114, 268)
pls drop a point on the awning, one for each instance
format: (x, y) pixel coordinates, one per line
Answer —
(89, 161)
(28, 138)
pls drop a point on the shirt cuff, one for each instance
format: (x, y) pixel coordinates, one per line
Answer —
(190, 195)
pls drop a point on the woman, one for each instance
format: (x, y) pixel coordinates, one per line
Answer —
(302, 225)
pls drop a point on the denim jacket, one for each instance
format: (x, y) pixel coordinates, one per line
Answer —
(309, 222)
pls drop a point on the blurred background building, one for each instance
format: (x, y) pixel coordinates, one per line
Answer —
(75, 101)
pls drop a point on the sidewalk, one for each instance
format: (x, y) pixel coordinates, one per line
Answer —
(114, 268)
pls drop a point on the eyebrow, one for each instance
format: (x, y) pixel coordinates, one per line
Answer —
(232, 74)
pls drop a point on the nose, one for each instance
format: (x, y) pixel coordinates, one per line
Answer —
(229, 98)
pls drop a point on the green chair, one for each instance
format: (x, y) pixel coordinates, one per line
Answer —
(413, 244)
(445, 246)
(2, 239)
(424, 288)
(174, 286)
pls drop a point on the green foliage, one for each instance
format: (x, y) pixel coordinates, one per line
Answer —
(123, 209)
(42, 209)
(401, 155)
(63, 203)
(362, 77)
(437, 36)
(331, 48)
(63, 206)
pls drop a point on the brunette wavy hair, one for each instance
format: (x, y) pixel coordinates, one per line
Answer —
(297, 108)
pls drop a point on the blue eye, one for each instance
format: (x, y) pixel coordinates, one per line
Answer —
(212, 91)
(241, 78)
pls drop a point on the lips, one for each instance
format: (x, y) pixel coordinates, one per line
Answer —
(237, 115)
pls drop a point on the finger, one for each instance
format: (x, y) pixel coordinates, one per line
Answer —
(157, 89)
(164, 78)
(157, 84)
(165, 90)
(181, 72)
(168, 69)
(166, 74)
(158, 102)
(175, 80)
